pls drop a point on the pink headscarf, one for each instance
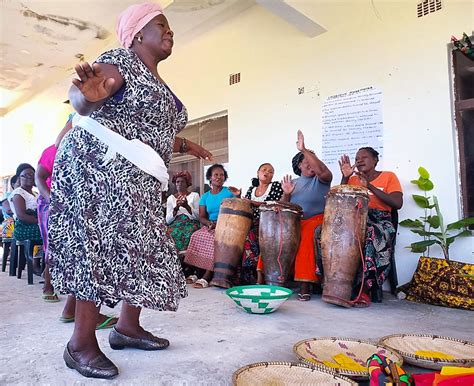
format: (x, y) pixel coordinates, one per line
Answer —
(184, 174)
(133, 19)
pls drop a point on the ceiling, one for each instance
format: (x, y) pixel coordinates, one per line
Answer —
(41, 41)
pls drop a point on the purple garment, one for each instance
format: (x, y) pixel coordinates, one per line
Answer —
(43, 214)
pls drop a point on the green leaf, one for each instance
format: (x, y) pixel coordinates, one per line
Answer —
(423, 172)
(421, 201)
(451, 239)
(411, 223)
(461, 223)
(425, 184)
(416, 249)
(424, 243)
(434, 221)
(422, 232)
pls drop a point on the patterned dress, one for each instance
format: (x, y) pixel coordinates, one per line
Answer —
(107, 233)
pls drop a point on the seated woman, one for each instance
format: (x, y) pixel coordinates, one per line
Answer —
(25, 206)
(308, 191)
(262, 189)
(200, 252)
(24, 209)
(182, 211)
(385, 194)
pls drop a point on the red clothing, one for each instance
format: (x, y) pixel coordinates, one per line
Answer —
(387, 182)
(305, 262)
(47, 161)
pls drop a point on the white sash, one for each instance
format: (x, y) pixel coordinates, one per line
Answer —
(138, 153)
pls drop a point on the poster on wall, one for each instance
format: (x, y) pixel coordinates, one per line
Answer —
(351, 120)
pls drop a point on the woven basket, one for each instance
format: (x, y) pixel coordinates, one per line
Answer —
(407, 344)
(286, 373)
(259, 299)
(316, 350)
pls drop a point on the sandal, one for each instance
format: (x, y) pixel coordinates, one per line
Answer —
(191, 279)
(66, 319)
(363, 301)
(51, 298)
(304, 297)
(109, 322)
(201, 283)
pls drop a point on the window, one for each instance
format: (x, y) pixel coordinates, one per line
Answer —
(211, 133)
(463, 85)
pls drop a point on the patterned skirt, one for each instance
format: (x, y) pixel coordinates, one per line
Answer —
(250, 257)
(108, 239)
(181, 230)
(378, 247)
(24, 231)
(200, 252)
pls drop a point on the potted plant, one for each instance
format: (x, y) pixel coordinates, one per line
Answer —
(436, 280)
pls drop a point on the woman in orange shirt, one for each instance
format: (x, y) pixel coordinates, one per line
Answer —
(385, 194)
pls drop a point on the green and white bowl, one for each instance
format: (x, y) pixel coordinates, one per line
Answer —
(259, 299)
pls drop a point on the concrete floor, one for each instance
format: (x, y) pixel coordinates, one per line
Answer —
(210, 337)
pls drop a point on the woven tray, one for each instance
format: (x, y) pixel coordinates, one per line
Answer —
(316, 350)
(286, 373)
(407, 344)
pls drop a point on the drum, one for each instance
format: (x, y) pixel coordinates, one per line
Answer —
(342, 241)
(279, 238)
(233, 224)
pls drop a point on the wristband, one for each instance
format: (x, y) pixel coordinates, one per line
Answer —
(184, 146)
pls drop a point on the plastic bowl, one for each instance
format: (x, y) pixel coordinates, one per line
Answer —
(259, 299)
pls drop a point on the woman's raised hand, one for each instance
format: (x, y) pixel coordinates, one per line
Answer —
(92, 83)
(287, 185)
(345, 164)
(300, 142)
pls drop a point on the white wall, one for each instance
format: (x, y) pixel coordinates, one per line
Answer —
(384, 45)
(387, 47)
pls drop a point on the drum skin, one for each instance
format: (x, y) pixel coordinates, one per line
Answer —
(279, 238)
(342, 240)
(233, 224)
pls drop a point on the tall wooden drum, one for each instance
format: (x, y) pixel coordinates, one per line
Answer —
(279, 238)
(342, 240)
(233, 224)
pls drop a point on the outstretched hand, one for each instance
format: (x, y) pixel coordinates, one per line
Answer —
(300, 141)
(345, 164)
(287, 185)
(198, 151)
(92, 83)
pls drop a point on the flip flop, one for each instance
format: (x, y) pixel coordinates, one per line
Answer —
(51, 298)
(201, 283)
(66, 320)
(304, 297)
(107, 323)
(191, 279)
(363, 301)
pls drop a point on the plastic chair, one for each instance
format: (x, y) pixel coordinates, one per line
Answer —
(25, 257)
(6, 243)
